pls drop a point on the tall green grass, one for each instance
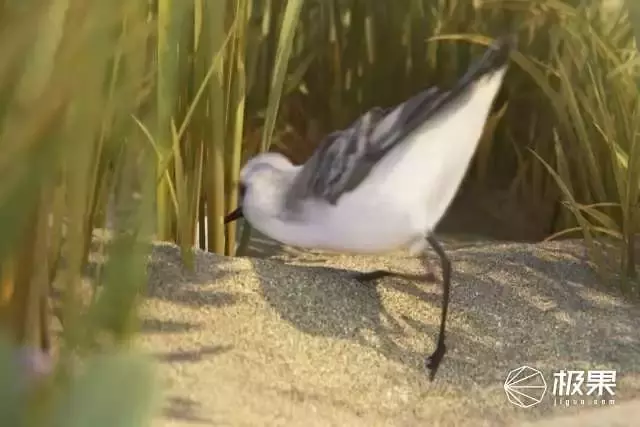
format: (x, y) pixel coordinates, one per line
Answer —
(208, 61)
(597, 140)
(581, 149)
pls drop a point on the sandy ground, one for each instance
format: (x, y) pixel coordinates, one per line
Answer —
(293, 340)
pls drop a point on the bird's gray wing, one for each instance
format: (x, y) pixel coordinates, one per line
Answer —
(345, 158)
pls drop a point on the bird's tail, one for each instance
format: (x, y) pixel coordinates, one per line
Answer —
(395, 123)
(495, 58)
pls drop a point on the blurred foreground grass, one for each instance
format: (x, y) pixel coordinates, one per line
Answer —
(120, 115)
(137, 115)
(72, 75)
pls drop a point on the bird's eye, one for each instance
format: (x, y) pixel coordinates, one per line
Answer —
(242, 189)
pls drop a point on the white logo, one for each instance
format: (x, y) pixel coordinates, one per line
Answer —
(569, 387)
(525, 386)
(570, 383)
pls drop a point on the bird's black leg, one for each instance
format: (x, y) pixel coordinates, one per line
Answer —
(434, 360)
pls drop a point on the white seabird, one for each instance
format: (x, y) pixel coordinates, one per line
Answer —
(383, 183)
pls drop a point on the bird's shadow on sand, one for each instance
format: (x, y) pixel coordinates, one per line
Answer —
(508, 308)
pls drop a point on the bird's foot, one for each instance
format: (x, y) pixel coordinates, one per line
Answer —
(433, 362)
(371, 276)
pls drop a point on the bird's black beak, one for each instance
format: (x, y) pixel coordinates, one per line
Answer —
(233, 215)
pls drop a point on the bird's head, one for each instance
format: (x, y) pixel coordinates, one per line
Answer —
(260, 175)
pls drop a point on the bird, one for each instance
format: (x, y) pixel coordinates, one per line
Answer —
(384, 182)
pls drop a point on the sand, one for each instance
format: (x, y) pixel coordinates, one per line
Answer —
(289, 338)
